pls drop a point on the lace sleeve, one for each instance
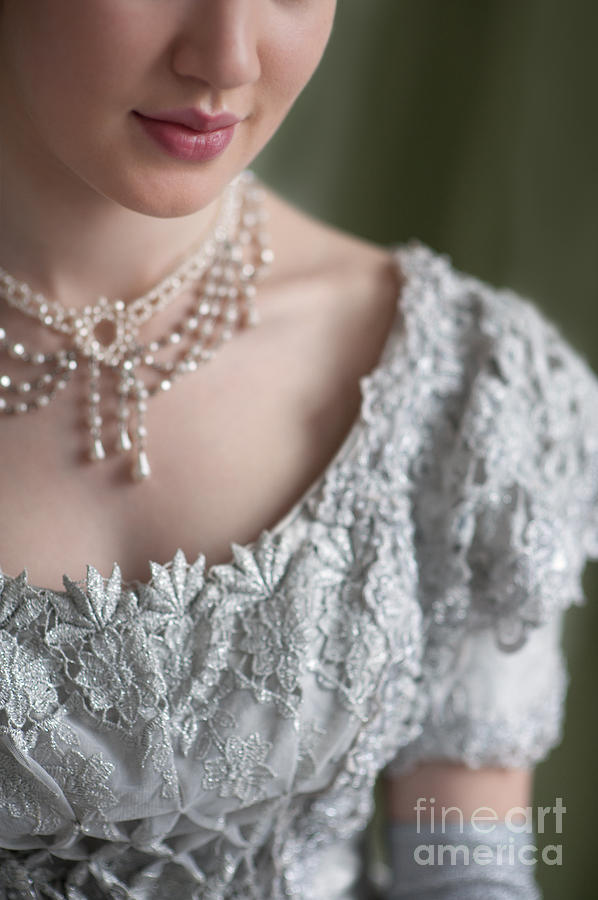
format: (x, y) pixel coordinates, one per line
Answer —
(505, 507)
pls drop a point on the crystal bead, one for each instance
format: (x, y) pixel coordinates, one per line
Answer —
(141, 468)
(5, 381)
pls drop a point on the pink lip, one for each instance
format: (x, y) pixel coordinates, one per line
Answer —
(195, 119)
(190, 144)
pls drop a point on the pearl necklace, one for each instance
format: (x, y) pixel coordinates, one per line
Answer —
(224, 270)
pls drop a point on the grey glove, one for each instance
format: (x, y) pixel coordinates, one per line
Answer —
(456, 874)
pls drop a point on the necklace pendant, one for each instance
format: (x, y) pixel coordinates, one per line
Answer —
(97, 450)
(141, 468)
(106, 335)
(120, 332)
(124, 441)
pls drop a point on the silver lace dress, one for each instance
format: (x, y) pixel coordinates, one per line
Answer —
(217, 733)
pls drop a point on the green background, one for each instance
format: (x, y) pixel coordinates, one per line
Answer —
(483, 144)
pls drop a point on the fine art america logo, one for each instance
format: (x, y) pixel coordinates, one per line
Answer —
(487, 838)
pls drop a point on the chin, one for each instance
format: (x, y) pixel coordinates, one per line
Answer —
(169, 196)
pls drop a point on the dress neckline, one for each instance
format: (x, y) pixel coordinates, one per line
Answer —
(401, 327)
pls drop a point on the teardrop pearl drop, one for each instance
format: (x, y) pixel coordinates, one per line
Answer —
(141, 469)
(97, 450)
(124, 441)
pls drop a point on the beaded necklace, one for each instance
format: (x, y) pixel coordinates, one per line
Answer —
(223, 273)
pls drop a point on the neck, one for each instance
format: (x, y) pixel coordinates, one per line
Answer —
(74, 245)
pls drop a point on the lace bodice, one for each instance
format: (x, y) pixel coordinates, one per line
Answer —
(217, 734)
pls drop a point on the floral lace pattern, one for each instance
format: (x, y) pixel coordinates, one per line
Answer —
(217, 733)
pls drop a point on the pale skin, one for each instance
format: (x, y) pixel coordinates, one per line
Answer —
(274, 406)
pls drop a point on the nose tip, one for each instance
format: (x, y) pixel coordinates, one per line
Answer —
(220, 48)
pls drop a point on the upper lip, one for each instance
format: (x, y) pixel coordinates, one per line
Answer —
(195, 119)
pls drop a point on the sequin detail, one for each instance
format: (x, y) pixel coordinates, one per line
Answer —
(216, 733)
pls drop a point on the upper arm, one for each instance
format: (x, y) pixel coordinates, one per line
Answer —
(488, 791)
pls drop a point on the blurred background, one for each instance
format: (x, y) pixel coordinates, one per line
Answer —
(486, 114)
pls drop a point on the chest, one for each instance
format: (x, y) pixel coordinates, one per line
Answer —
(232, 447)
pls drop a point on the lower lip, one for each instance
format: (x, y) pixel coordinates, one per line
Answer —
(184, 143)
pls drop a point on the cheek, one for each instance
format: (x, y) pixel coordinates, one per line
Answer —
(68, 56)
(291, 56)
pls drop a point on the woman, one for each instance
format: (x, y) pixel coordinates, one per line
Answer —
(389, 477)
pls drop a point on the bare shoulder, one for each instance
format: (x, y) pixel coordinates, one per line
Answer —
(307, 247)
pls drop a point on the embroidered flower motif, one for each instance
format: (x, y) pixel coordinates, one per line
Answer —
(20, 604)
(240, 771)
(275, 634)
(198, 718)
(27, 801)
(167, 599)
(256, 573)
(26, 691)
(357, 649)
(95, 606)
(116, 674)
